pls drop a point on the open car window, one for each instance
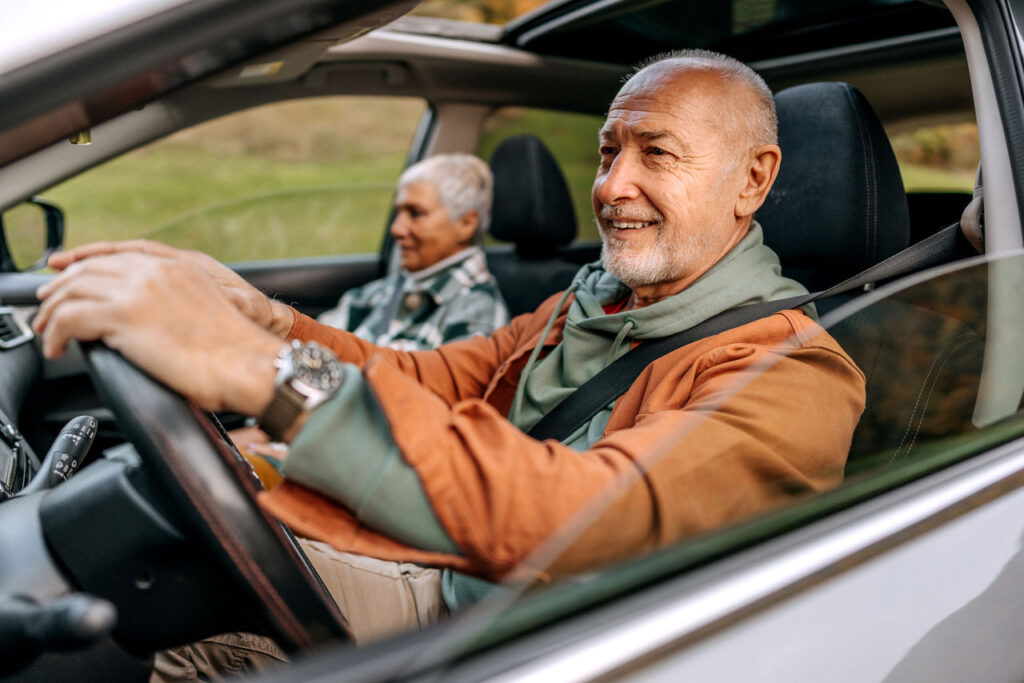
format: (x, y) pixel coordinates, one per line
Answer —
(945, 379)
(300, 178)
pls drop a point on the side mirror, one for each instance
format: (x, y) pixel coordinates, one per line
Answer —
(29, 233)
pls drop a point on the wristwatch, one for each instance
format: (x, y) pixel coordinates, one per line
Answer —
(307, 375)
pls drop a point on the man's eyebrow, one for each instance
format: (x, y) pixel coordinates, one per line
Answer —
(648, 135)
(655, 134)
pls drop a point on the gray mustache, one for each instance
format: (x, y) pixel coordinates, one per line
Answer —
(627, 213)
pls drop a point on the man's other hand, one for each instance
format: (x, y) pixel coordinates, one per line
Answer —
(168, 316)
(271, 315)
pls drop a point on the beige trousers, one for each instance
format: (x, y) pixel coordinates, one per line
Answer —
(378, 598)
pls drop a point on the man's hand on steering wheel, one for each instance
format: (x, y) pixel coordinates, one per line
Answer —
(170, 315)
(273, 316)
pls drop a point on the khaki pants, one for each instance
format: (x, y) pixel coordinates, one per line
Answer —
(378, 598)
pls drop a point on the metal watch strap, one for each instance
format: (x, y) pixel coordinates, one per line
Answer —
(284, 408)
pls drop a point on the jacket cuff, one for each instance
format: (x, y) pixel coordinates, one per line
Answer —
(346, 452)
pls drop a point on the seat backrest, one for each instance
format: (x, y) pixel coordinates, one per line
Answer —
(533, 210)
(838, 207)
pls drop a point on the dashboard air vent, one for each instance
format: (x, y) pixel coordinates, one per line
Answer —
(13, 331)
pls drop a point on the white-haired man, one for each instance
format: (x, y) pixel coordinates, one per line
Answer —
(436, 466)
(443, 290)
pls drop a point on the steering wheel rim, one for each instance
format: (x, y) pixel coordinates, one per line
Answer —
(216, 493)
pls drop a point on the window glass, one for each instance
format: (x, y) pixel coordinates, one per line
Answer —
(486, 11)
(291, 179)
(944, 382)
(572, 139)
(938, 158)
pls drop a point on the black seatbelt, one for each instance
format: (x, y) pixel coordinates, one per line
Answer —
(607, 385)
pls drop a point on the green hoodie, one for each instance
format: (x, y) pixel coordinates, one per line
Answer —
(370, 476)
(592, 339)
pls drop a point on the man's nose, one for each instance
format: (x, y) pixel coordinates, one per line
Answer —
(619, 183)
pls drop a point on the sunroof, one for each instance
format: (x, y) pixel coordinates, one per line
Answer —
(481, 11)
(625, 32)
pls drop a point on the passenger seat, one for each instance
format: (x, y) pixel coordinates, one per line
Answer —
(533, 210)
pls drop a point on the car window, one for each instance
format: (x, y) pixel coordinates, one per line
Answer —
(299, 178)
(939, 158)
(572, 139)
(945, 380)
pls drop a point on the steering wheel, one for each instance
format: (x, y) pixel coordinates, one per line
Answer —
(214, 491)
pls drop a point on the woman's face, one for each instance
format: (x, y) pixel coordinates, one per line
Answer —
(424, 231)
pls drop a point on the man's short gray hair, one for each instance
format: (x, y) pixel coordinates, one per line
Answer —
(761, 120)
(464, 183)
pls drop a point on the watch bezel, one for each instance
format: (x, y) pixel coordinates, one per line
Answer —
(315, 369)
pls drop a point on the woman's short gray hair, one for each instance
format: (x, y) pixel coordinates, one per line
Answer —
(464, 183)
(760, 120)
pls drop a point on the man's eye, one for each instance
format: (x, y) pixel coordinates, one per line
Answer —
(607, 151)
(656, 151)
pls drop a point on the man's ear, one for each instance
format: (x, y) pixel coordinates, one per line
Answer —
(761, 173)
(467, 226)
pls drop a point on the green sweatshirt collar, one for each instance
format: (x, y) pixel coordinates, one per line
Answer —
(591, 339)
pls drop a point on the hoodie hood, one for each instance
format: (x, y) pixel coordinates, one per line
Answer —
(591, 339)
(749, 273)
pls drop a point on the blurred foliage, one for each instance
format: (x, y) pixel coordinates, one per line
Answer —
(748, 15)
(951, 151)
(572, 139)
(299, 178)
(25, 232)
(481, 11)
(316, 177)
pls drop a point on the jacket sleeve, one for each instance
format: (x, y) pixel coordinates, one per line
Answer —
(728, 452)
(453, 372)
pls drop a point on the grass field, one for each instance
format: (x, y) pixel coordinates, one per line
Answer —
(310, 178)
(929, 179)
(294, 179)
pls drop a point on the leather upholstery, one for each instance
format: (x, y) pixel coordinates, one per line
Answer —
(838, 205)
(533, 210)
(532, 206)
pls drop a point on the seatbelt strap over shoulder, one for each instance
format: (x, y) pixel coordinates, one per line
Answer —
(613, 381)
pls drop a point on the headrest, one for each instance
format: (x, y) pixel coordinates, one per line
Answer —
(838, 205)
(532, 206)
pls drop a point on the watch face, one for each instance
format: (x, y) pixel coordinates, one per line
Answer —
(317, 368)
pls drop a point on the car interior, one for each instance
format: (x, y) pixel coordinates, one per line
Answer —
(845, 82)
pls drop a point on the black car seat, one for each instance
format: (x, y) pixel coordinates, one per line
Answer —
(533, 210)
(837, 207)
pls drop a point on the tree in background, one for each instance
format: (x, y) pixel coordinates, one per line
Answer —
(484, 11)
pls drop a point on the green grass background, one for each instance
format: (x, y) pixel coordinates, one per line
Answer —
(313, 177)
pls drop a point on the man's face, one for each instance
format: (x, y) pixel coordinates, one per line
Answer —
(666, 188)
(422, 228)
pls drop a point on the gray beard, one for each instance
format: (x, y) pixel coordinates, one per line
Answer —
(669, 258)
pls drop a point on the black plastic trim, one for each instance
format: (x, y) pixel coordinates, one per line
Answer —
(417, 151)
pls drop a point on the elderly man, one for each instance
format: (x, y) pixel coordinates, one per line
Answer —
(443, 291)
(435, 468)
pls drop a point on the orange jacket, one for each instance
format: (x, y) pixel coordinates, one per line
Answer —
(711, 433)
